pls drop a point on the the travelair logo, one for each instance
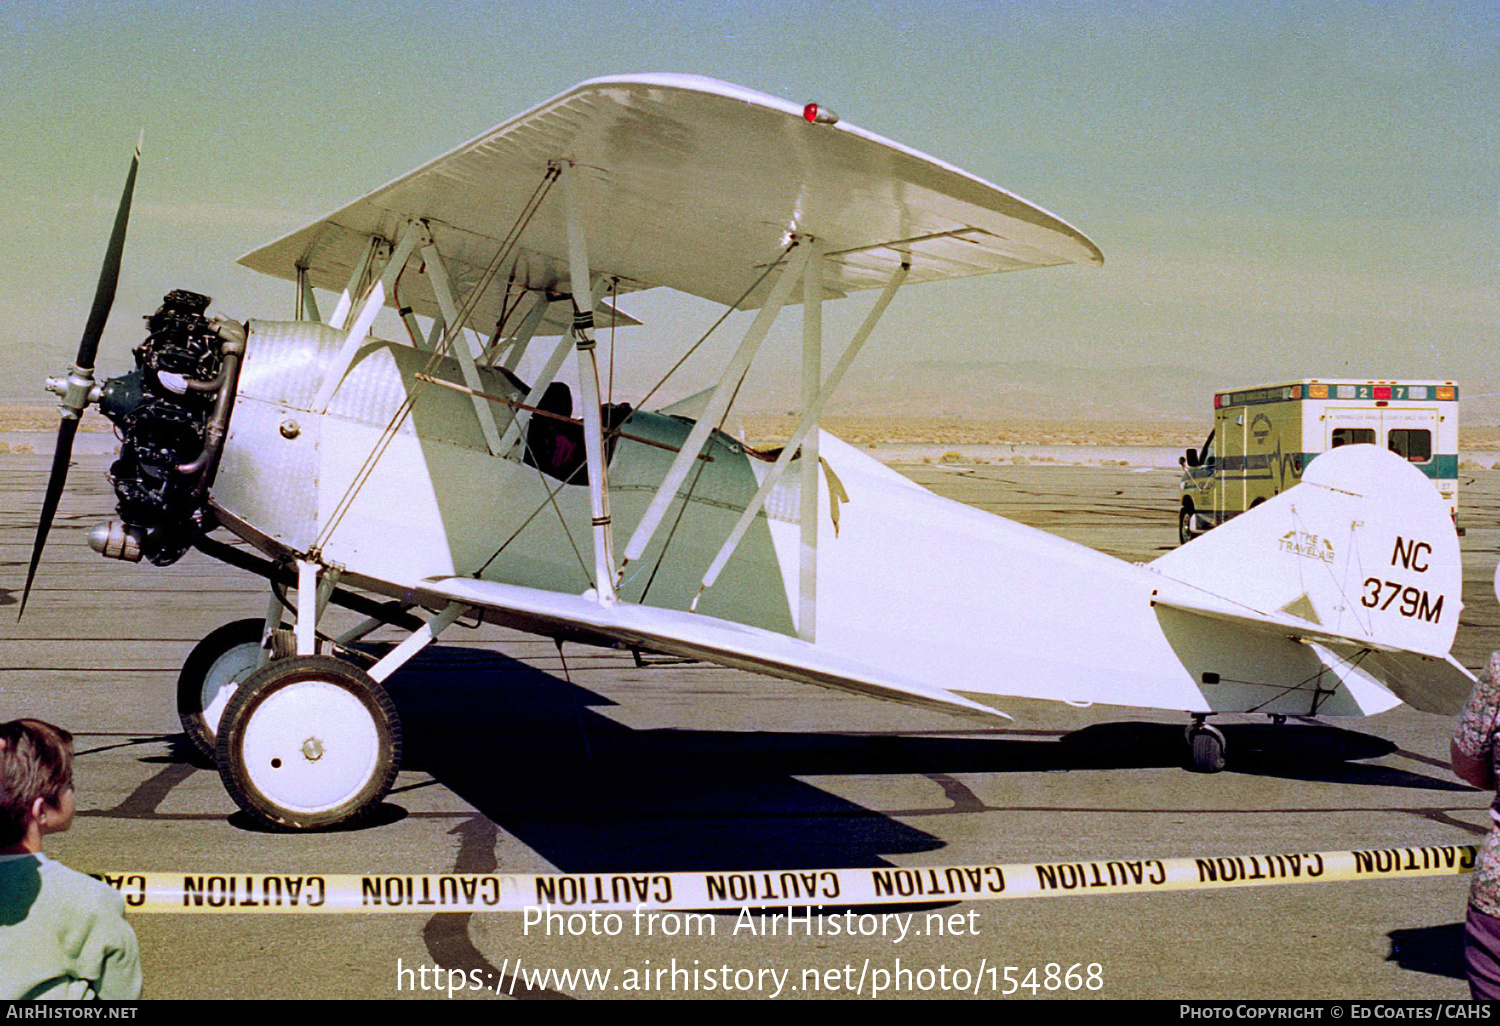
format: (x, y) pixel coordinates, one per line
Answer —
(1309, 545)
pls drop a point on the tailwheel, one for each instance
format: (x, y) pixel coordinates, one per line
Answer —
(214, 670)
(1205, 747)
(309, 742)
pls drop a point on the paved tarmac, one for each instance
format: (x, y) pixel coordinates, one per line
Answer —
(516, 763)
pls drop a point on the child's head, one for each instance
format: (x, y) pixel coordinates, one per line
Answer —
(36, 766)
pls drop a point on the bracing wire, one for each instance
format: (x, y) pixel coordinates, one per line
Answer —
(780, 259)
(691, 486)
(451, 332)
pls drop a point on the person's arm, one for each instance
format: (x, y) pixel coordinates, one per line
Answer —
(1472, 750)
(120, 979)
(110, 958)
(1479, 772)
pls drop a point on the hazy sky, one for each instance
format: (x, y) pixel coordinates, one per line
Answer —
(1279, 189)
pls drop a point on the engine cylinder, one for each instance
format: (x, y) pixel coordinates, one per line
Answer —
(165, 411)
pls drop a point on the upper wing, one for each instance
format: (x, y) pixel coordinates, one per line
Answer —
(688, 634)
(691, 184)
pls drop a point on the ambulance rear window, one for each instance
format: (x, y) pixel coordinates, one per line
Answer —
(1353, 436)
(1413, 444)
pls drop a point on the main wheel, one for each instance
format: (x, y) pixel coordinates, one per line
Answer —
(1207, 749)
(308, 742)
(214, 669)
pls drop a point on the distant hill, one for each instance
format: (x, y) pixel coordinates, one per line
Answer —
(1042, 390)
(1023, 389)
(981, 400)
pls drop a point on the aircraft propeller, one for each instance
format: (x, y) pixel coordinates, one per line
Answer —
(78, 389)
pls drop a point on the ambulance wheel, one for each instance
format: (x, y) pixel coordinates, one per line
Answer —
(214, 669)
(1184, 525)
(1206, 749)
(309, 742)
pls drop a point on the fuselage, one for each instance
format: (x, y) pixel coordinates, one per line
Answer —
(921, 586)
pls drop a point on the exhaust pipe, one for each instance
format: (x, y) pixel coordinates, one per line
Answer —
(116, 540)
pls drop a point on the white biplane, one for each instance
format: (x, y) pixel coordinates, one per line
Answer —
(426, 472)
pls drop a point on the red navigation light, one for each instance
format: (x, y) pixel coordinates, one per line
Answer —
(820, 115)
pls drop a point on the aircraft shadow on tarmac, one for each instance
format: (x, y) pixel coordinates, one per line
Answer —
(1436, 950)
(588, 794)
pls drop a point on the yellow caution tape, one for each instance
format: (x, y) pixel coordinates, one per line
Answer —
(784, 888)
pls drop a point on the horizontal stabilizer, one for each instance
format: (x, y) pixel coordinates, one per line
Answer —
(1205, 604)
(691, 635)
(1373, 674)
(1432, 685)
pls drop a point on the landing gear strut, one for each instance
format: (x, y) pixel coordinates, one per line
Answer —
(1205, 745)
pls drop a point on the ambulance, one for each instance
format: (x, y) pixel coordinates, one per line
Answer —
(1264, 438)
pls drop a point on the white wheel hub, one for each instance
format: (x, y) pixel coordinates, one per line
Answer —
(311, 746)
(223, 679)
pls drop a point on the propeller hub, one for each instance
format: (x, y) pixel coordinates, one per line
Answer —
(77, 390)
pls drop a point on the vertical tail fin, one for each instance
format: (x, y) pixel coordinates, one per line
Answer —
(1362, 549)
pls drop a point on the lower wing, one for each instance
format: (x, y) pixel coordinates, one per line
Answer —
(692, 635)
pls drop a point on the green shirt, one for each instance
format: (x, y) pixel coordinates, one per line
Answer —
(63, 934)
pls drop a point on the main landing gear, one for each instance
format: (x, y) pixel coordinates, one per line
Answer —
(309, 741)
(1205, 745)
(303, 739)
(209, 678)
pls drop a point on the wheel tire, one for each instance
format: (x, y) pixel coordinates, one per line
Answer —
(1207, 749)
(217, 666)
(1184, 525)
(309, 742)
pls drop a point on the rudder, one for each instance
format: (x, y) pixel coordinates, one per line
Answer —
(1363, 547)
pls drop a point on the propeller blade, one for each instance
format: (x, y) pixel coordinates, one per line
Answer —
(109, 274)
(88, 348)
(59, 476)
